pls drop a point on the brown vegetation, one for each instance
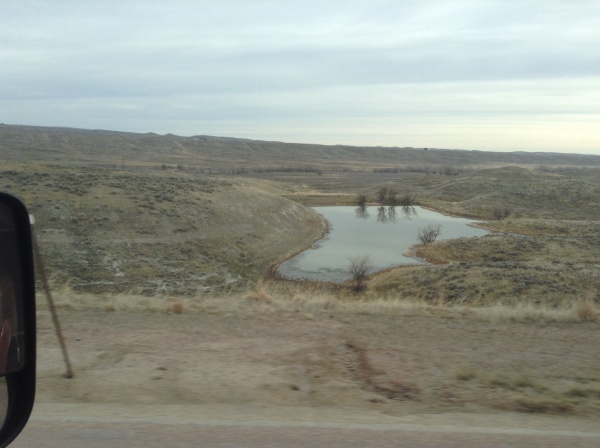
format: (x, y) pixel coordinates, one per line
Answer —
(359, 270)
(429, 234)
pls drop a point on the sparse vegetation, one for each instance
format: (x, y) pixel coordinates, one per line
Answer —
(361, 199)
(392, 196)
(464, 373)
(586, 311)
(176, 306)
(408, 200)
(382, 193)
(387, 195)
(359, 270)
(156, 232)
(429, 233)
(141, 244)
(500, 213)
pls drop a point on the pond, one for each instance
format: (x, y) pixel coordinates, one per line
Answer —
(384, 234)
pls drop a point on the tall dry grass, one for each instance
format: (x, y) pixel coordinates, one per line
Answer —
(585, 311)
(273, 299)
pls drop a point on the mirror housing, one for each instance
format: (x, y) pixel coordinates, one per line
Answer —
(17, 315)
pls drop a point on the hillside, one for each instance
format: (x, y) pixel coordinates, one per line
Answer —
(157, 232)
(161, 275)
(122, 149)
(143, 225)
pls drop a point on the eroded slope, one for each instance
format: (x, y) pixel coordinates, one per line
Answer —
(157, 232)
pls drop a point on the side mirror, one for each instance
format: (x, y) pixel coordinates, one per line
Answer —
(17, 318)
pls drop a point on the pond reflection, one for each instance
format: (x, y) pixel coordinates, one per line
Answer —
(385, 214)
(408, 211)
(388, 214)
(362, 212)
(381, 232)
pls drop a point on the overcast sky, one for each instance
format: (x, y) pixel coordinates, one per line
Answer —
(486, 75)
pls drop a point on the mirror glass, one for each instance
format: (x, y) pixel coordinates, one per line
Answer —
(11, 337)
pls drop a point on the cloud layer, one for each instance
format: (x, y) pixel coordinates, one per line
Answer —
(504, 75)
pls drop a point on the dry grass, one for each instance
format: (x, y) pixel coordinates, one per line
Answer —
(515, 382)
(276, 298)
(464, 373)
(585, 311)
(158, 232)
(584, 392)
(512, 382)
(541, 406)
(527, 313)
(537, 393)
(259, 294)
(176, 306)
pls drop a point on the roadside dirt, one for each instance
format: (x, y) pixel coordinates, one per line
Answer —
(372, 363)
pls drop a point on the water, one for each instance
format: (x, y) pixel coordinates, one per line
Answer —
(382, 233)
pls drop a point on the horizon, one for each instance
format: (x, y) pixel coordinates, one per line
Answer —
(71, 128)
(499, 76)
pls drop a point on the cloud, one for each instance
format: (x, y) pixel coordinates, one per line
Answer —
(172, 66)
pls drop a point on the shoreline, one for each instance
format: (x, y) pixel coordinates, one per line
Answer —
(272, 273)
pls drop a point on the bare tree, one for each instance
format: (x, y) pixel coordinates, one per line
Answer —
(382, 193)
(361, 199)
(392, 197)
(429, 233)
(407, 200)
(359, 268)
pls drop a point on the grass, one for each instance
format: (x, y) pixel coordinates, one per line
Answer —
(525, 393)
(581, 392)
(259, 294)
(157, 232)
(542, 406)
(176, 306)
(586, 311)
(464, 373)
(176, 232)
(494, 380)
(278, 298)
(515, 382)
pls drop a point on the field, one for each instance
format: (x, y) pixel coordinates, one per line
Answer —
(162, 263)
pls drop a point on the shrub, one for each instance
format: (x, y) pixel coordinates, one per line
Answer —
(359, 268)
(175, 306)
(407, 200)
(382, 193)
(361, 199)
(500, 213)
(429, 233)
(585, 311)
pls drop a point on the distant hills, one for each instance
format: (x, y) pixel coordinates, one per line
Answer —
(81, 147)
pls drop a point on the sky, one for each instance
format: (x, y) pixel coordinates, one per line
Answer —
(512, 75)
